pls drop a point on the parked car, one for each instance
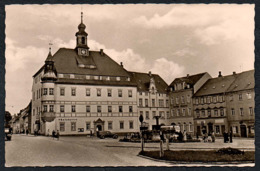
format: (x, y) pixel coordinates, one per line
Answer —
(8, 135)
(107, 134)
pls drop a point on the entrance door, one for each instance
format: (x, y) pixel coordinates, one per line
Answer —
(99, 127)
(210, 127)
(198, 130)
(223, 129)
(243, 131)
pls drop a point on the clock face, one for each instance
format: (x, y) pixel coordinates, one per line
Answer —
(83, 51)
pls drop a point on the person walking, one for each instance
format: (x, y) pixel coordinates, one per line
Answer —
(27, 131)
(230, 137)
(53, 134)
(213, 136)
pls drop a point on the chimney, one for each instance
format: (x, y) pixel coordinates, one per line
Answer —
(234, 73)
(121, 63)
(101, 52)
(219, 74)
(188, 75)
(150, 73)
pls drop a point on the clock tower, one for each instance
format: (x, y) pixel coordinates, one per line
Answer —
(81, 39)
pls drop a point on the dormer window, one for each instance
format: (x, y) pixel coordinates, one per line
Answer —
(108, 78)
(117, 78)
(72, 76)
(88, 77)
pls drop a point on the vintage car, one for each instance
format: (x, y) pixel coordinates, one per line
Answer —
(8, 135)
(107, 134)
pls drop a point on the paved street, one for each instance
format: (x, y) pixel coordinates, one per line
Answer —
(85, 151)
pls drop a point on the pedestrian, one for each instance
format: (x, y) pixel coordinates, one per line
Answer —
(27, 131)
(184, 135)
(53, 134)
(230, 137)
(213, 136)
(34, 132)
(58, 135)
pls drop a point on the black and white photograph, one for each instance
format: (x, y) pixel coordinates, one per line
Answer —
(129, 85)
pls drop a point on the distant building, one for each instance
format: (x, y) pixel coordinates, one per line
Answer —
(152, 97)
(181, 106)
(240, 105)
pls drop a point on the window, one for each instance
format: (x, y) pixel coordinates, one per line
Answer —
(153, 102)
(241, 111)
(73, 126)
(201, 100)
(177, 100)
(209, 113)
(189, 111)
(109, 93)
(61, 108)
(162, 115)
(168, 114)
(87, 92)
(172, 100)
(45, 91)
(146, 102)
(196, 101)
(62, 91)
(110, 125)
(62, 126)
(240, 97)
(231, 97)
(154, 114)
(167, 103)
(183, 112)
(234, 129)
(83, 40)
(190, 127)
(222, 112)
(203, 113)
(216, 112)
(182, 99)
(178, 112)
(130, 94)
(120, 94)
(220, 98)
(130, 109)
(88, 125)
(141, 102)
(98, 109)
(51, 91)
(73, 108)
(147, 115)
(33, 112)
(198, 113)
(217, 130)
(120, 109)
(208, 99)
(117, 78)
(140, 93)
(88, 109)
(121, 123)
(161, 103)
(215, 99)
(109, 109)
(233, 111)
(251, 111)
(188, 98)
(249, 96)
(98, 92)
(131, 125)
(51, 108)
(44, 108)
(73, 91)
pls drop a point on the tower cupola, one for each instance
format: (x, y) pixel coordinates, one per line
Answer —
(81, 39)
(49, 69)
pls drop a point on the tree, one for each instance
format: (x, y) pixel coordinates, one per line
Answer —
(8, 117)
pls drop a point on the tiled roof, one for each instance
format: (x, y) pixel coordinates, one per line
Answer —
(216, 85)
(191, 79)
(243, 81)
(66, 62)
(143, 82)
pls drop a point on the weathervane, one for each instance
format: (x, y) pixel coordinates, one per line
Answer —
(50, 44)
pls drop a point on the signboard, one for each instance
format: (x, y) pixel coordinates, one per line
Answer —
(80, 129)
(219, 121)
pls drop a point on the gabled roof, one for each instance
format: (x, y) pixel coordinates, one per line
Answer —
(243, 81)
(66, 62)
(143, 81)
(191, 79)
(216, 85)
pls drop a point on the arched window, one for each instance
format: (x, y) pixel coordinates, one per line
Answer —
(83, 40)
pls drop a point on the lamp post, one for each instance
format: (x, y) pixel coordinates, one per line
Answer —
(141, 119)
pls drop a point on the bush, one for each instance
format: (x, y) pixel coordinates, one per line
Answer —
(230, 151)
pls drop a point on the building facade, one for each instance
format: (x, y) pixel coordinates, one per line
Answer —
(181, 104)
(152, 98)
(240, 105)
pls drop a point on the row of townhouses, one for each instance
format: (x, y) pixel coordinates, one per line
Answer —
(78, 90)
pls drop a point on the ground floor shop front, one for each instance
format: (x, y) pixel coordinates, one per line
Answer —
(245, 128)
(208, 125)
(87, 126)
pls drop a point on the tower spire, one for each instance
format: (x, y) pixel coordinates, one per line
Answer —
(81, 17)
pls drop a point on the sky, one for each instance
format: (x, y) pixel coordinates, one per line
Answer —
(171, 40)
